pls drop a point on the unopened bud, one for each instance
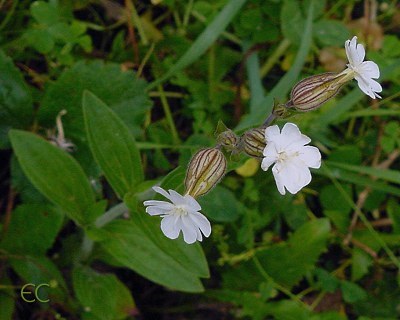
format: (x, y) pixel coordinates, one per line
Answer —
(312, 92)
(205, 170)
(252, 142)
(228, 139)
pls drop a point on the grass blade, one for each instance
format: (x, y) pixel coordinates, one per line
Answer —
(204, 41)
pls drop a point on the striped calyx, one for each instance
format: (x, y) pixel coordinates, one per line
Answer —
(252, 142)
(312, 92)
(228, 139)
(205, 170)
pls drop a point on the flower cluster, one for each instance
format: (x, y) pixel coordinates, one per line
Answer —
(286, 150)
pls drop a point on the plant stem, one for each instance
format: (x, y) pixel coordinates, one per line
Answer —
(279, 51)
(364, 219)
(111, 214)
(168, 115)
(277, 285)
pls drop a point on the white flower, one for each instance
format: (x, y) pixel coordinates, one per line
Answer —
(180, 215)
(363, 71)
(292, 158)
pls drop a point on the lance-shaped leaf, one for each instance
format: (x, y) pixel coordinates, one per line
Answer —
(15, 100)
(55, 174)
(112, 145)
(133, 247)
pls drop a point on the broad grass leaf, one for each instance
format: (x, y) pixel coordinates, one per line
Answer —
(129, 244)
(204, 40)
(357, 179)
(16, 107)
(112, 145)
(102, 295)
(55, 174)
(264, 108)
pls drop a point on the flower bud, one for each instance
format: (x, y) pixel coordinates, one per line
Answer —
(228, 139)
(312, 92)
(252, 142)
(205, 170)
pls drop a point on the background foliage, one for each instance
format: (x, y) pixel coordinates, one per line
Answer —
(144, 85)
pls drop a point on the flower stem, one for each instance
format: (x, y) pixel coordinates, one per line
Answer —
(111, 214)
(276, 285)
(168, 115)
(364, 219)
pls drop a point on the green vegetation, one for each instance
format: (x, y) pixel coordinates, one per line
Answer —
(101, 100)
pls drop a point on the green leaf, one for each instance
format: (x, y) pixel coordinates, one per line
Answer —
(393, 210)
(357, 179)
(112, 145)
(38, 270)
(349, 154)
(32, 230)
(45, 13)
(205, 40)
(102, 295)
(191, 257)
(298, 255)
(332, 199)
(360, 262)
(7, 303)
(263, 110)
(16, 107)
(40, 39)
(132, 246)
(326, 281)
(221, 205)
(120, 90)
(331, 32)
(292, 21)
(55, 174)
(384, 174)
(352, 292)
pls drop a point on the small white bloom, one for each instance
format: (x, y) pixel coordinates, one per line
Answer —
(182, 214)
(363, 71)
(292, 158)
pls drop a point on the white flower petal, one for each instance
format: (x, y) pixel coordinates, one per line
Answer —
(292, 158)
(162, 192)
(271, 133)
(365, 85)
(364, 71)
(156, 210)
(176, 198)
(189, 230)
(158, 203)
(192, 203)
(295, 176)
(270, 156)
(278, 179)
(360, 53)
(169, 227)
(293, 136)
(369, 69)
(310, 156)
(180, 215)
(202, 223)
